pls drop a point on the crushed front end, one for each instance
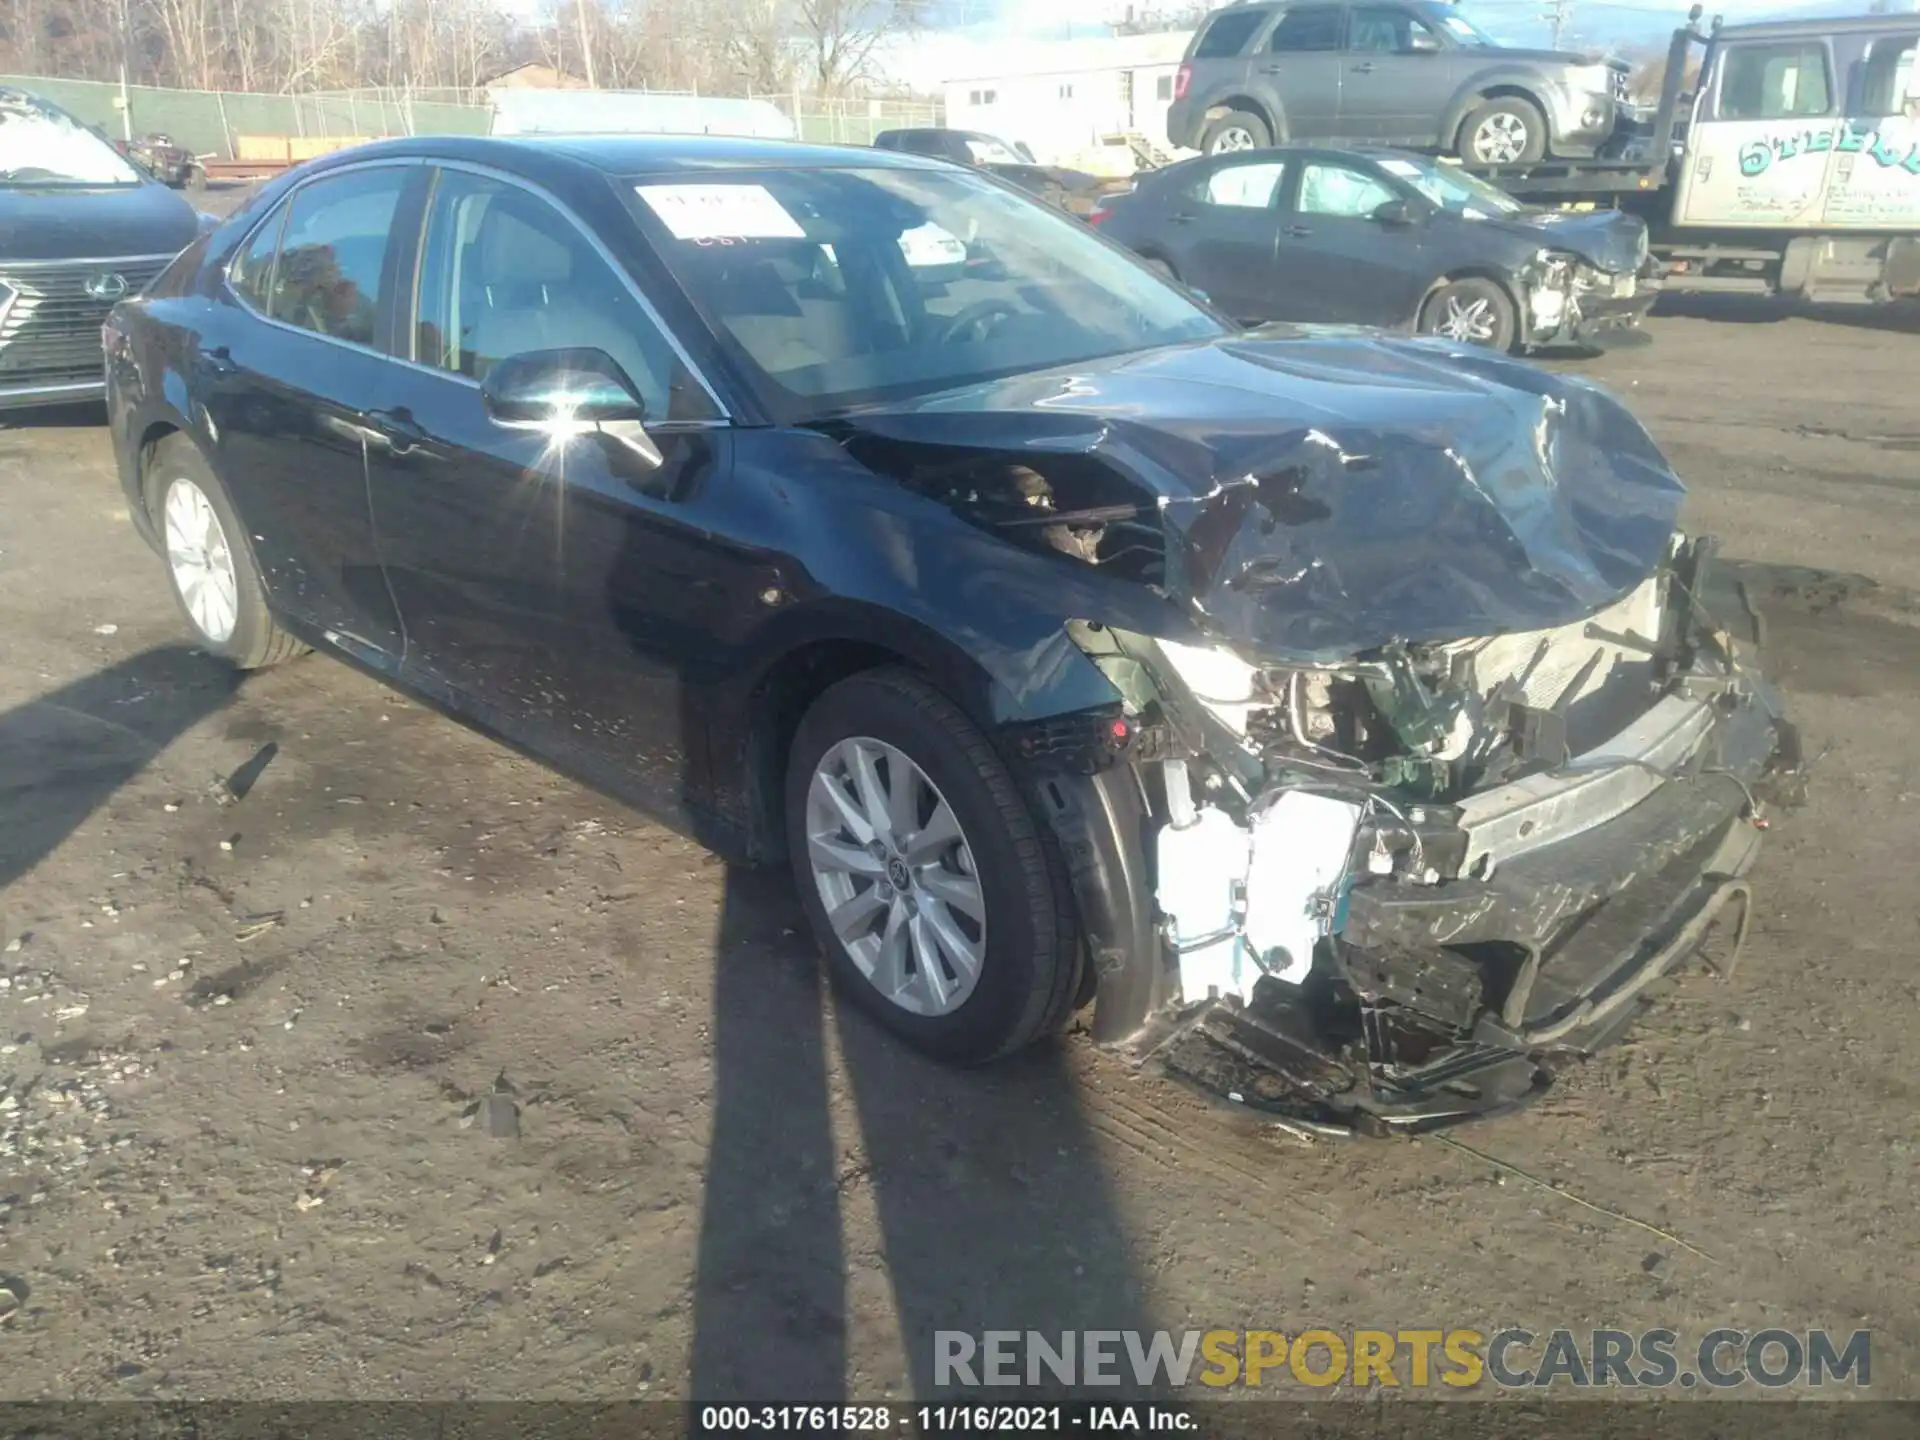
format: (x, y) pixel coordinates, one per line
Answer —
(1569, 298)
(1397, 891)
(1432, 742)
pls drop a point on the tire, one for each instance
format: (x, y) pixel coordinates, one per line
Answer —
(1236, 130)
(1029, 955)
(1471, 310)
(1506, 131)
(250, 640)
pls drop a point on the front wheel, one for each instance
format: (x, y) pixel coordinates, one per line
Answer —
(1472, 311)
(939, 904)
(1506, 131)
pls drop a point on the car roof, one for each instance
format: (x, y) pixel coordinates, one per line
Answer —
(1900, 21)
(1300, 149)
(618, 155)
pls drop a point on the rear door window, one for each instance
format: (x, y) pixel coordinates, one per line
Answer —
(1229, 33)
(250, 273)
(1249, 185)
(1314, 28)
(1892, 83)
(332, 253)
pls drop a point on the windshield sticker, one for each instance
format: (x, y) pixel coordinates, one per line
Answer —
(1757, 156)
(720, 212)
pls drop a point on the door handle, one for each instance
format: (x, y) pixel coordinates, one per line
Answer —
(1180, 218)
(1297, 232)
(1365, 67)
(1272, 69)
(401, 432)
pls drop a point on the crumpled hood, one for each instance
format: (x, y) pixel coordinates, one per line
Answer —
(1326, 492)
(1609, 239)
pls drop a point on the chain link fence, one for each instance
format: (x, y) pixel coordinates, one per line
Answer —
(208, 122)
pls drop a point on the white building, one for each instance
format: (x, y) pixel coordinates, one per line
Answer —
(1063, 98)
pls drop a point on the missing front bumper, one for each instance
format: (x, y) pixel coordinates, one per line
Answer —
(1434, 1003)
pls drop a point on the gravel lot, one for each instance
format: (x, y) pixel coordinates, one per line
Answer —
(244, 1148)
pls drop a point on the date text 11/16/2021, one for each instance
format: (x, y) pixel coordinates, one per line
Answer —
(952, 1419)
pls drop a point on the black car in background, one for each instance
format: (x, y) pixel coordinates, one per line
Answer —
(81, 227)
(1071, 646)
(1073, 190)
(1380, 237)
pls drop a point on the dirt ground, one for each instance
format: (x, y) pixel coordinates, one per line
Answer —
(245, 1040)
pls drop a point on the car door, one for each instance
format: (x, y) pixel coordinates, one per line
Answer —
(1299, 73)
(1765, 132)
(1397, 79)
(1877, 185)
(1335, 260)
(288, 365)
(1221, 233)
(558, 587)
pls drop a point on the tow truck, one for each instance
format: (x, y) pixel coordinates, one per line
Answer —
(1792, 166)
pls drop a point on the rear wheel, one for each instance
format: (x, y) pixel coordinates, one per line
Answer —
(209, 564)
(940, 905)
(1236, 130)
(1471, 310)
(1506, 131)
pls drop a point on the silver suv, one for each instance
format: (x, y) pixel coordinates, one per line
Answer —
(1413, 73)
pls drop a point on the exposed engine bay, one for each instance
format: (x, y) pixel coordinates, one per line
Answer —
(1342, 873)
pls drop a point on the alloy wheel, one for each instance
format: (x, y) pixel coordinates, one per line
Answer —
(1501, 139)
(201, 559)
(896, 876)
(1472, 321)
(1234, 137)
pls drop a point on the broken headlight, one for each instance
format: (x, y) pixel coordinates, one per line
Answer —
(1550, 297)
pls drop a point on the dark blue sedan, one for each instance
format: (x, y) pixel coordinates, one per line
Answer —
(856, 512)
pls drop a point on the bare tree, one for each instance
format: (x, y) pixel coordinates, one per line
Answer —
(842, 36)
(771, 47)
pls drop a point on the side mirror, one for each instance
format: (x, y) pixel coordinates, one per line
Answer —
(563, 393)
(1394, 212)
(1421, 43)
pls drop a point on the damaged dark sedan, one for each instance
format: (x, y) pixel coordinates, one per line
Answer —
(1381, 237)
(1340, 720)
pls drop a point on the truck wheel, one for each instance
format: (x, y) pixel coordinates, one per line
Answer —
(1470, 310)
(1236, 130)
(938, 900)
(1507, 131)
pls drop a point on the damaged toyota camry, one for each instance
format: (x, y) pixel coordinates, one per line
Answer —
(1340, 721)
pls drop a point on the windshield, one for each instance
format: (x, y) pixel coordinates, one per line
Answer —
(803, 277)
(1452, 189)
(40, 145)
(988, 151)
